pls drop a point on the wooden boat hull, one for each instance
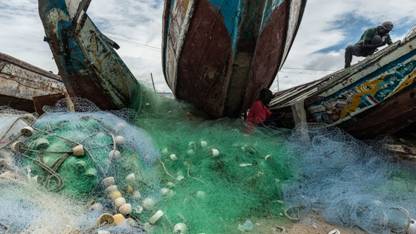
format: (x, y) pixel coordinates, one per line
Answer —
(373, 98)
(218, 55)
(21, 82)
(87, 62)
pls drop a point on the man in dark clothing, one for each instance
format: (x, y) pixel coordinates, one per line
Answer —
(369, 42)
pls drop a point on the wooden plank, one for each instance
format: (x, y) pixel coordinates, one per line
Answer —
(47, 100)
(299, 116)
(21, 81)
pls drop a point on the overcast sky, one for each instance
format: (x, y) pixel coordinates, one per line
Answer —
(327, 27)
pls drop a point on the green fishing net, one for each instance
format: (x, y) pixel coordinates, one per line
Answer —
(213, 174)
(107, 149)
(174, 168)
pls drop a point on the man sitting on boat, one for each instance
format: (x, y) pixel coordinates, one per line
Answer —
(259, 112)
(369, 42)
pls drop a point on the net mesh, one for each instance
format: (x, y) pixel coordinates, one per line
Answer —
(180, 171)
(220, 175)
(209, 175)
(351, 183)
(56, 136)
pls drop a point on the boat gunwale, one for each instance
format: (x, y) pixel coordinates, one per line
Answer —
(288, 96)
(17, 62)
(332, 79)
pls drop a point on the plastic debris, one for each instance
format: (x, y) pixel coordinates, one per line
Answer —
(215, 152)
(246, 226)
(156, 217)
(204, 144)
(412, 227)
(103, 232)
(335, 231)
(173, 157)
(180, 228)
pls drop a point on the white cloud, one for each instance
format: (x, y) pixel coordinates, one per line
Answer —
(21, 33)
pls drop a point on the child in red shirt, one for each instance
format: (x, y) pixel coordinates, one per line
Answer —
(259, 112)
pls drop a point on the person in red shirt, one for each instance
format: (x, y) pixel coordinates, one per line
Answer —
(259, 112)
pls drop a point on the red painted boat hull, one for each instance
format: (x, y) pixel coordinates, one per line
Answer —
(219, 58)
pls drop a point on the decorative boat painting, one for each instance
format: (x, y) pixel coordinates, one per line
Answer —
(375, 97)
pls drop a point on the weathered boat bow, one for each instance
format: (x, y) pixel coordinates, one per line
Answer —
(219, 54)
(87, 61)
(375, 97)
(22, 82)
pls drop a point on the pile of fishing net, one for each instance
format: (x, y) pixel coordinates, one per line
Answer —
(23, 206)
(213, 175)
(351, 184)
(160, 169)
(85, 148)
(26, 208)
(11, 122)
(71, 153)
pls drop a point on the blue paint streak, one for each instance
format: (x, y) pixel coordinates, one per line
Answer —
(71, 51)
(230, 10)
(74, 59)
(58, 4)
(269, 9)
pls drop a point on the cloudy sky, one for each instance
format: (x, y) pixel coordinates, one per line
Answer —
(327, 27)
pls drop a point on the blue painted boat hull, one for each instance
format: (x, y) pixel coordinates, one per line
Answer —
(86, 59)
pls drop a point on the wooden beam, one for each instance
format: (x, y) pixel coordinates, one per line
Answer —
(299, 116)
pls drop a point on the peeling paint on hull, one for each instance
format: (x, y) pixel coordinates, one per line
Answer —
(87, 62)
(373, 98)
(219, 54)
(21, 82)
